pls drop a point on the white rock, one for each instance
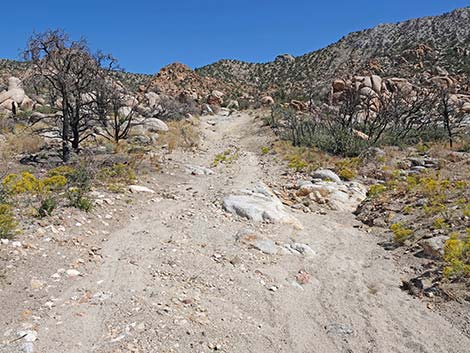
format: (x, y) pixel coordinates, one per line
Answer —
(139, 188)
(326, 174)
(260, 205)
(72, 273)
(197, 170)
(156, 125)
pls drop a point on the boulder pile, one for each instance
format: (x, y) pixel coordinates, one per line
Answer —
(325, 189)
(14, 98)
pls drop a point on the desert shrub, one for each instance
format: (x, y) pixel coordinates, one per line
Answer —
(118, 173)
(7, 221)
(359, 122)
(28, 183)
(465, 147)
(117, 176)
(182, 134)
(457, 256)
(440, 223)
(347, 168)
(347, 174)
(400, 232)
(21, 143)
(297, 164)
(38, 191)
(48, 205)
(79, 180)
(407, 210)
(65, 171)
(226, 157)
(376, 190)
(265, 150)
(78, 200)
(177, 109)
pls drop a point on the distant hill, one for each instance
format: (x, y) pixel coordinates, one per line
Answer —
(413, 49)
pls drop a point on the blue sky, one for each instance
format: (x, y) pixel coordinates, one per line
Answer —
(146, 35)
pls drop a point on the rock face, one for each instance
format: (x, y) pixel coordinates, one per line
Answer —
(177, 80)
(259, 204)
(285, 58)
(13, 98)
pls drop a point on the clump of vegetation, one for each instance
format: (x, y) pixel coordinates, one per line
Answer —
(440, 223)
(118, 173)
(47, 206)
(265, 150)
(78, 200)
(376, 190)
(226, 157)
(400, 232)
(457, 256)
(359, 122)
(298, 164)
(117, 176)
(182, 134)
(26, 182)
(347, 168)
(7, 221)
(71, 183)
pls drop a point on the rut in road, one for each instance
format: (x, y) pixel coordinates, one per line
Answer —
(175, 280)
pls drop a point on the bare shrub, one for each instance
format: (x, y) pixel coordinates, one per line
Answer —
(182, 134)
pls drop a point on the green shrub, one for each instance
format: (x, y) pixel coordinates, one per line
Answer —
(298, 164)
(227, 157)
(440, 223)
(27, 183)
(47, 206)
(119, 173)
(400, 232)
(78, 200)
(7, 221)
(376, 190)
(347, 174)
(457, 256)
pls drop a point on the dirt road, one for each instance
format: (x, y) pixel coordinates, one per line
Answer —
(174, 279)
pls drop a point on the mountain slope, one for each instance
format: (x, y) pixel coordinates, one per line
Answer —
(408, 49)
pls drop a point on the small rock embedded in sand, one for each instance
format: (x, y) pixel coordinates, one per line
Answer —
(72, 273)
(139, 188)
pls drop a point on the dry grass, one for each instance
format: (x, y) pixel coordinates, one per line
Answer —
(21, 143)
(183, 134)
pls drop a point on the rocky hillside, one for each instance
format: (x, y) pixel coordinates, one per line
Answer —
(9, 68)
(412, 49)
(180, 80)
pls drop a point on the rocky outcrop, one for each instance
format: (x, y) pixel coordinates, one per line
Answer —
(259, 204)
(216, 98)
(15, 97)
(284, 58)
(267, 100)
